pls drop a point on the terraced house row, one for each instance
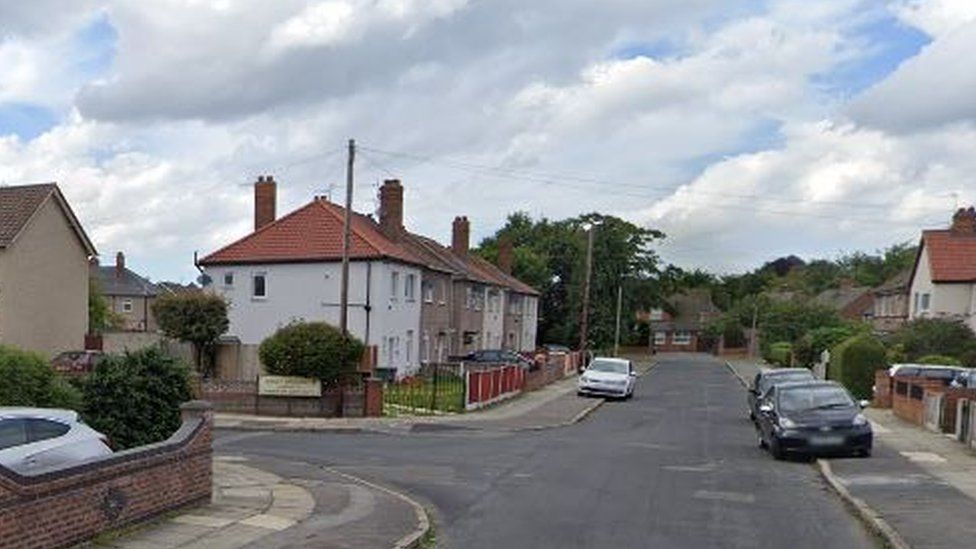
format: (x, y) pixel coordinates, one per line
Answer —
(411, 298)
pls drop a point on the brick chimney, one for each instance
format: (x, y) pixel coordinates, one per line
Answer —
(964, 221)
(265, 198)
(391, 208)
(119, 265)
(460, 235)
(506, 254)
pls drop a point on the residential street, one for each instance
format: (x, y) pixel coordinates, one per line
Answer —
(675, 467)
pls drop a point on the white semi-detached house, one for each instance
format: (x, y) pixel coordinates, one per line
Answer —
(289, 269)
(943, 281)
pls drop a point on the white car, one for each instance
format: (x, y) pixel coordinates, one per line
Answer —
(613, 377)
(38, 438)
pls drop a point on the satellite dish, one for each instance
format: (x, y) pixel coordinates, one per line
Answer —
(204, 279)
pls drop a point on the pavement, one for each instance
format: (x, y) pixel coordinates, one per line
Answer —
(918, 485)
(677, 466)
(279, 504)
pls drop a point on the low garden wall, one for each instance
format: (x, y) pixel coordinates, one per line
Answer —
(908, 397)
(64, 506)
(241, 397)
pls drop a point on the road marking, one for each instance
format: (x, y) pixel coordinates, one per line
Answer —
(923, 457)
(649, 446)
(733, 497)
(885, 480)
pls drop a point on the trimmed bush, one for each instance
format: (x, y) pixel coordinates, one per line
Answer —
(29, 380)
(934, 336)
(780, 354)
(807, 350)
(854, 362)
(942, 360)
(135, 398)
(311, 349)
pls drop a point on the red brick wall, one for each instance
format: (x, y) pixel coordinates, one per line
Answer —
(241, 397)
(949, 405)
(66, 506)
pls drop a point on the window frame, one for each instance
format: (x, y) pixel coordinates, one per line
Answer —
(394, 285)
(409, 287)
(229, 275)
(681, 337)
(263, 275)
(127, 305)
(427, 291)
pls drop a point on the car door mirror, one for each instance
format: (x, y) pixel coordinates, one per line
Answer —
(766, 408)
(633, 374)
(864, 403)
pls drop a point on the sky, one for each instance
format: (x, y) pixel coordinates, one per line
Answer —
(744, 130)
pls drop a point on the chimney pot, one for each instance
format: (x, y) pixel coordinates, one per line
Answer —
(391, 209)
(119, 264)
(460, 235)
(265, 199)
(964, 221)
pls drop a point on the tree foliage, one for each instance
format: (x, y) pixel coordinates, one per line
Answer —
(29, 380)
(198, 318)
(135, 398)
(551, 255)
(101, 317)
(933, 336)
(311, 349)
(809, 347)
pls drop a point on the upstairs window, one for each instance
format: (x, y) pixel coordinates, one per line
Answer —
(259, 286)
(428, 291)
(394, 285)
(229, 279)
(409, 285)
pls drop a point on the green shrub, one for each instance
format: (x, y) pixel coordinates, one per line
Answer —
(780, 354)
(311, 349)
(934, 336)
(807, 350)
(854, 361)
(135, 398)
(29, 380)
(939, 360)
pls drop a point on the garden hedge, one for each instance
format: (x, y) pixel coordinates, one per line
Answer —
(853, 363)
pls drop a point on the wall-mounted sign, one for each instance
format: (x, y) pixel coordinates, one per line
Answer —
(289, 386)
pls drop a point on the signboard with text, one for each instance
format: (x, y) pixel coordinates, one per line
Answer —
(289, 386)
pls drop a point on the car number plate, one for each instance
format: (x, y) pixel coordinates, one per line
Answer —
(826, 440)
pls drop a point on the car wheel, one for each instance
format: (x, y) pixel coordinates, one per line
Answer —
(776, 450)
(752, 416)
(865, 453)
(762, 442)
(580, 394)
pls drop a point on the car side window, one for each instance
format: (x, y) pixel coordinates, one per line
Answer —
(13, 432)
(43, 429)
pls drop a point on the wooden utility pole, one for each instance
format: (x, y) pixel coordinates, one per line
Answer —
(616, 334)
(585, 313)
(346, 232)
(752, 335)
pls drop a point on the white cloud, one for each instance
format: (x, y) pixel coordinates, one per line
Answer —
(936, 17)
(709, 127)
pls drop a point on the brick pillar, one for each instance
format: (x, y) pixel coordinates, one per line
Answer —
(373, 407)
(882, 389)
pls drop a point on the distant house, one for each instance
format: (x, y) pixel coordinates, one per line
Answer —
(410, 298)
(166, 287)
(852, 302)
(128, 294)
(678, 327)
(44, 255)
(891, 303)
(943, 280)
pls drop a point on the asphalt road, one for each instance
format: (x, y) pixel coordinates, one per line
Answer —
(676, 467)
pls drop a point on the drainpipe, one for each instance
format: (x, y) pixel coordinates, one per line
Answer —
(368, 307)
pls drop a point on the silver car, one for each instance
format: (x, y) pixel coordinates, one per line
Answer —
(37, 438)
(612, 377)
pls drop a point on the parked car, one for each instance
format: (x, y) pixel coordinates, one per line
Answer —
(813, 417)
(554, 348)
(77, 362)
(498, 356)
(767, 379)
(966, 378)
(37, 438)
(613, 377)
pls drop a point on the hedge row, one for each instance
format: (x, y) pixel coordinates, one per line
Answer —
(853, 363)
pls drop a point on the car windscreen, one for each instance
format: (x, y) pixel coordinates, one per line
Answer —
(803, 399)
(768, 381)
(609, 366)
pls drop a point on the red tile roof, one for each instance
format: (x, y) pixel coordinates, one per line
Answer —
(311, 233)
(952, 255)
